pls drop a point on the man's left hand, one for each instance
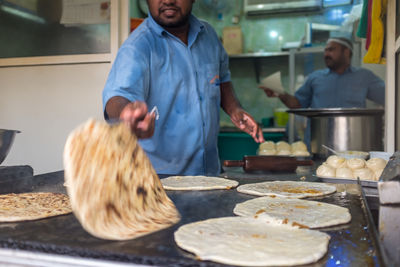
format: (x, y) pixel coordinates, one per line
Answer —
(246, 123)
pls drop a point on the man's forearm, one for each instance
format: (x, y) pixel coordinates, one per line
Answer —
(289, 100)
(115, 106)
(229, 102)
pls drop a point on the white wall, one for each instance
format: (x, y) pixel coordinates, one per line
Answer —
(45, 103)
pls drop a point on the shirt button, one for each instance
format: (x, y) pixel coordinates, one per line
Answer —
(201, 98)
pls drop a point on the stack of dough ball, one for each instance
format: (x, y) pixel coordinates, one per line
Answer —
(267, 148)
(338, 167)
(283, 148)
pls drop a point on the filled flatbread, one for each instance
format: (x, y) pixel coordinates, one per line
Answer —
(312, 214)
(292, 189)
(115, 192)
(32, 206)
(197, 183)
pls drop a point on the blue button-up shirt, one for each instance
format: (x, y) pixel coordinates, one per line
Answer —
(328, 89)
(183, 82)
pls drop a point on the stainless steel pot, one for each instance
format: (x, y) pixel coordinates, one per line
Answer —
(344, 129)
(6, 141)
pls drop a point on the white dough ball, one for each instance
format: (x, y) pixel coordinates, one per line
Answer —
(325, 170)
(364, 174)
(378, 174)
(284, 152)
(301, 153)
(267, 152)
(299, 146)
(376, 164)
(344, 173)
(335, 161)
(282, 145)
(267, 145)
(355, 163)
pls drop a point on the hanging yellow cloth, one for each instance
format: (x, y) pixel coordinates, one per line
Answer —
(374, 53)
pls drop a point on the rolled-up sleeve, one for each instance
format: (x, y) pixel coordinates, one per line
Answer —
(129, 76)
(304, 94)
(376, 89)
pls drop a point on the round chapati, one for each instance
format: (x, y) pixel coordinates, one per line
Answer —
(32, 206)
(312, 214)
(292, 189)
(114, 190)
(252, 242)
(197, 183)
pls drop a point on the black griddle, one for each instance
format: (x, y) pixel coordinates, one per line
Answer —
(350, 244)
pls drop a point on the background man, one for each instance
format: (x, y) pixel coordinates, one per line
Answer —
(340, 85)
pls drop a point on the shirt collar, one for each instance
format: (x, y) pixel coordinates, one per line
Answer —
(195, 27)
(349, 69)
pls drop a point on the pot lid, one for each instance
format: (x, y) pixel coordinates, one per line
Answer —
(319, 112)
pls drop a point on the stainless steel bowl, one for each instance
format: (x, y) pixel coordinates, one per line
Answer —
(6, 141)
(343, 129)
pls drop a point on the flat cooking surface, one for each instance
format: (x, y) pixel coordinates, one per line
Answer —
(350, 245)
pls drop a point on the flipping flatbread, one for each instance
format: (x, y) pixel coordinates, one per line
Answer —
(32, 206)
(252, 242)
(290, 189)
(197, 183)
(115, 192)
(312, 214)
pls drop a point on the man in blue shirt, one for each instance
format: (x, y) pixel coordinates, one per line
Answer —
(176, 63)
(339, 85)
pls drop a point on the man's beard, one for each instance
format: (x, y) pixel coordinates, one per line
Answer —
(175, 24)
(331, 64)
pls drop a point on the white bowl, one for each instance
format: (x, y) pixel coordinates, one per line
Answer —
(380, 154)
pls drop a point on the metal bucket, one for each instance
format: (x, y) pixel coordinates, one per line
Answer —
(345, 129)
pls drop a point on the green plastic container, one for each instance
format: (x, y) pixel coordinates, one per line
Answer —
(235, 145)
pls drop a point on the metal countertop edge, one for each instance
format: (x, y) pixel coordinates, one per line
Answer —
(26, 258)
(375, 234)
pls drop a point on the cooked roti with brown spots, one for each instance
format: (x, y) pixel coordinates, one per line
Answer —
(32, 206)
(197, 183)
(311, 214)
(115, 192)
(292, 189)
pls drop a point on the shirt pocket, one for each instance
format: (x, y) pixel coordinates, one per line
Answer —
(211, 81)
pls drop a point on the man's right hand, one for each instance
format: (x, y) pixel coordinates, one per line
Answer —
(137, 117)
(269, 92)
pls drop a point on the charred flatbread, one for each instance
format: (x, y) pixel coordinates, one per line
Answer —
(312, 214)
(197, 183)
(252, 242)
(32, 206)
(292, 189)
(115, 192)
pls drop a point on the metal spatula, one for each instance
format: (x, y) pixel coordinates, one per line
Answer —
(389, 182)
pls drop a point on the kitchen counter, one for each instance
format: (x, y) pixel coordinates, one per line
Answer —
(61, 241)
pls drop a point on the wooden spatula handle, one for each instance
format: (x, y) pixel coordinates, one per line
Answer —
(233, 163)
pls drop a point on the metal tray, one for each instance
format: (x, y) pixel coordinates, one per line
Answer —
(350, 245)
(364, 183)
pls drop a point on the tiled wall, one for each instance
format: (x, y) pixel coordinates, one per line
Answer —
(257, 38)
